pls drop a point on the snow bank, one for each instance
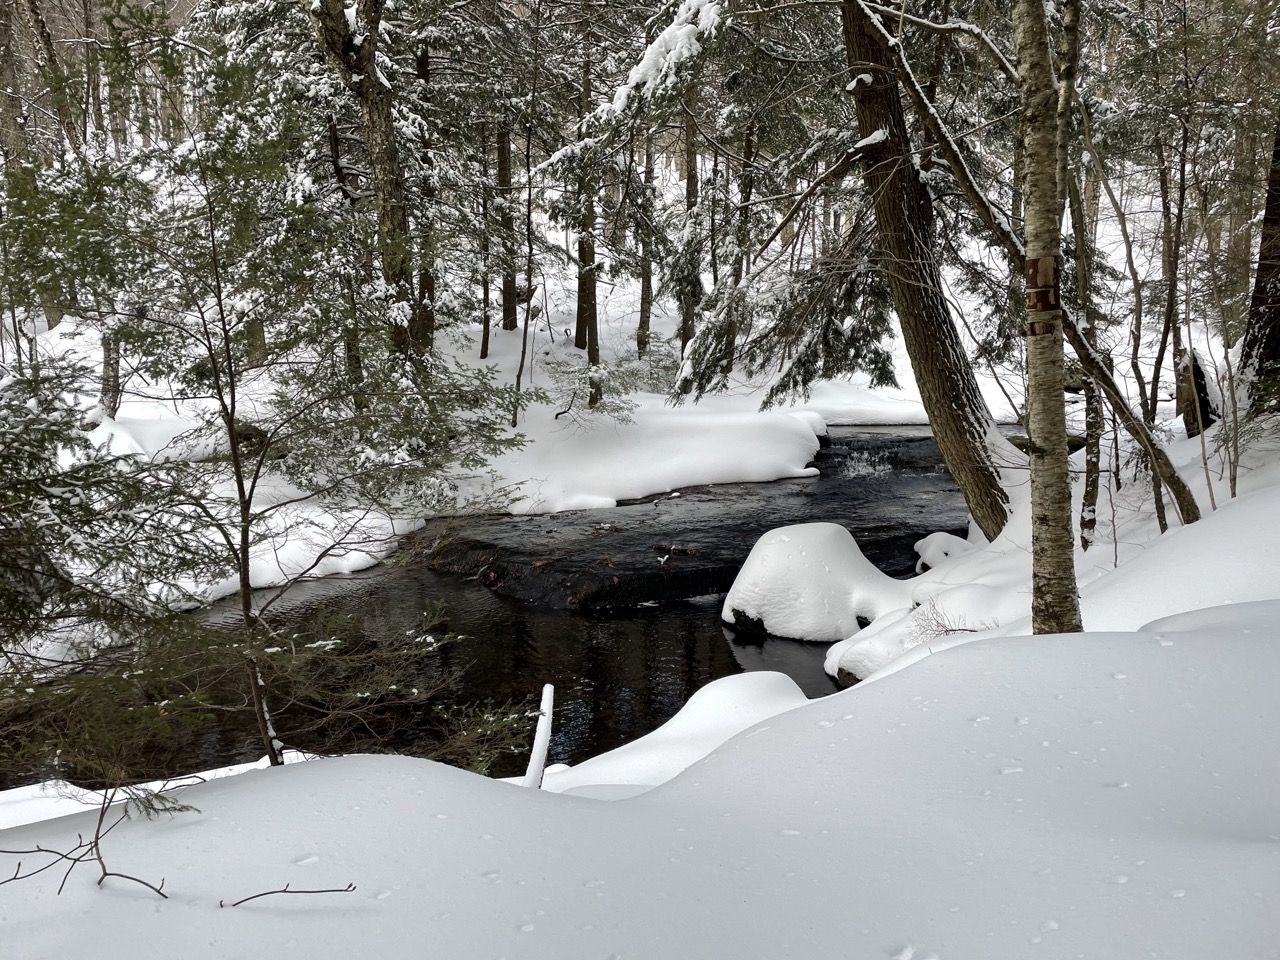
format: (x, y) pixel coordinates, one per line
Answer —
(810, 581)
(1230, 556)
(1087, 795)
(571, 466)
(715, 713)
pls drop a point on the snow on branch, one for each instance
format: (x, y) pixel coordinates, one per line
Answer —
(995, 219)
(680, 42)
(955, 26)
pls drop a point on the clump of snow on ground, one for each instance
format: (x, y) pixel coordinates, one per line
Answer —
(938, 547)
(810, 581)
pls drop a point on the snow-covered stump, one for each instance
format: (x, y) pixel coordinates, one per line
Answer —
(810, 581)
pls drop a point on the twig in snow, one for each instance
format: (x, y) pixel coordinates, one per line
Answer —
(285, 889)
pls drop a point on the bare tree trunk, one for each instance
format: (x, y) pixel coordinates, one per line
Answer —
(646, 254)
(1173, 205)
(690, 294)
(50, 67)
(352, 354)
(356, 63)
(1055, 607)
(507, 227)
(424, 233)
(586, 307)
(109, 396)
(587, 332)
(1094, 420)
(1260, 352)
(904, 221)
(486, 220)
(742, 242)
(1238, 259)
(13, 144)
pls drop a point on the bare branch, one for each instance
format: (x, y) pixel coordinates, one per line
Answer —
(285, 889)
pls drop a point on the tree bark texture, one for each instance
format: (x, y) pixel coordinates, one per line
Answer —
(1055, 605)
(1084, 232)
(741, 243)
(1260, 352)
(690, 293)
(904, 222)
(356, 64)
(507, 229)
(12, 141)
(646, 255)
(587, 333)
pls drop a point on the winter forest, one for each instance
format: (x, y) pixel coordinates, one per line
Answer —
(295, 295)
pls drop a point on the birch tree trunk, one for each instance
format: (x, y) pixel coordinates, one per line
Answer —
(1055, 606)
(904, 221)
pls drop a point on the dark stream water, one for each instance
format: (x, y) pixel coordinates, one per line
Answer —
(620, 608)
(620, 671)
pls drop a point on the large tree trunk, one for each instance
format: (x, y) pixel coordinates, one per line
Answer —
(357, 67)
(741, 244)
(1260, 352)
(587, 333)
(691, 286)
(12, 141)
(353, 354)
(646, 254)
(1055, 607)
(904, 221)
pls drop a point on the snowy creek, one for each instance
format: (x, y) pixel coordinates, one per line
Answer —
(620, 608)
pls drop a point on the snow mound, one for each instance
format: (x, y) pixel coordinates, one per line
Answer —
(575, 467)
(715, 713)
(937, 548)
(810, 581)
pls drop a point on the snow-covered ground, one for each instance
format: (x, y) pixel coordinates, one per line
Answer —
(1104, 795)
(992, 796)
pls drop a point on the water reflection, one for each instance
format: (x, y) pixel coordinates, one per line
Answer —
(617, 675)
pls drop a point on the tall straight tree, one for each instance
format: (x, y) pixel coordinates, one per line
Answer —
(1055, 607)
(587, 331)
(1260, 352)
(350, 44)
(904, 222)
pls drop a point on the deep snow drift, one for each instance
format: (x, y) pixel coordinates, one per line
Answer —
(1098, 796)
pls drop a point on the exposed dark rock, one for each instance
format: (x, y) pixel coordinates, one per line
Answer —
(742, 623)
(888, 490)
